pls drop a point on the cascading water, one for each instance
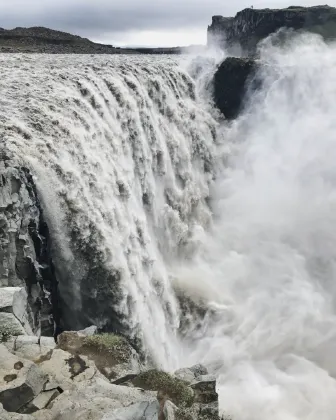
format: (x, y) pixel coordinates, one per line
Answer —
(122, 157)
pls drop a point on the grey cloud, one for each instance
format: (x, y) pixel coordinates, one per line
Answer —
(113, 16)
(96, 18)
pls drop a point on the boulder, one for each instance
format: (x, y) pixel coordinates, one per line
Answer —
(191, 374)
(93, 399)
(68, 370)
(231, 81)
(20, 381)
(185, 375)
(31, 347)
(112, 354)
(40, 402)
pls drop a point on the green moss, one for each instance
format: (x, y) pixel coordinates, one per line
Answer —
(175, 389)
(105, 341)
(108, 344)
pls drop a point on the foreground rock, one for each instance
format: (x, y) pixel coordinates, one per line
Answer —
(67, 370)
(73, 381)
(96, 399)
(231, 81)
(250, 26)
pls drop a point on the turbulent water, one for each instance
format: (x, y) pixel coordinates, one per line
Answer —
(268, 268)
(134, 170)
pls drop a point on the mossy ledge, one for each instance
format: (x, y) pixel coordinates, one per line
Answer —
(167, 386)
(109, 343)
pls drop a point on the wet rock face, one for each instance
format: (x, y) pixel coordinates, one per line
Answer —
(250, 26)
(25, 260)
(232, 79)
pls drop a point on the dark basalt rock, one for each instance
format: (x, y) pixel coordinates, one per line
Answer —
(231, 81)
(250, 26)
(25, 258)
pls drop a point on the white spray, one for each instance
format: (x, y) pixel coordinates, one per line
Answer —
(267, 269)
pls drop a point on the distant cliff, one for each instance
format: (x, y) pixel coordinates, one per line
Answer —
(45, 40)
(250, 26)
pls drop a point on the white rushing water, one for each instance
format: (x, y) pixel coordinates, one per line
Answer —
(125, 158)
(122, 157)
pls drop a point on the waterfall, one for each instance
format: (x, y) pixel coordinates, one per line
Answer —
(122, 154)
(149, 196)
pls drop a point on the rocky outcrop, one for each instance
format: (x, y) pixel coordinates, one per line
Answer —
(64, 385)
(25, 261)
(250, 26)
(231, 81)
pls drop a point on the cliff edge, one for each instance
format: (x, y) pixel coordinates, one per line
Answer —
(250, 26)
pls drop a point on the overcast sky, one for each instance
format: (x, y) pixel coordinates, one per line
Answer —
(131, 22)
